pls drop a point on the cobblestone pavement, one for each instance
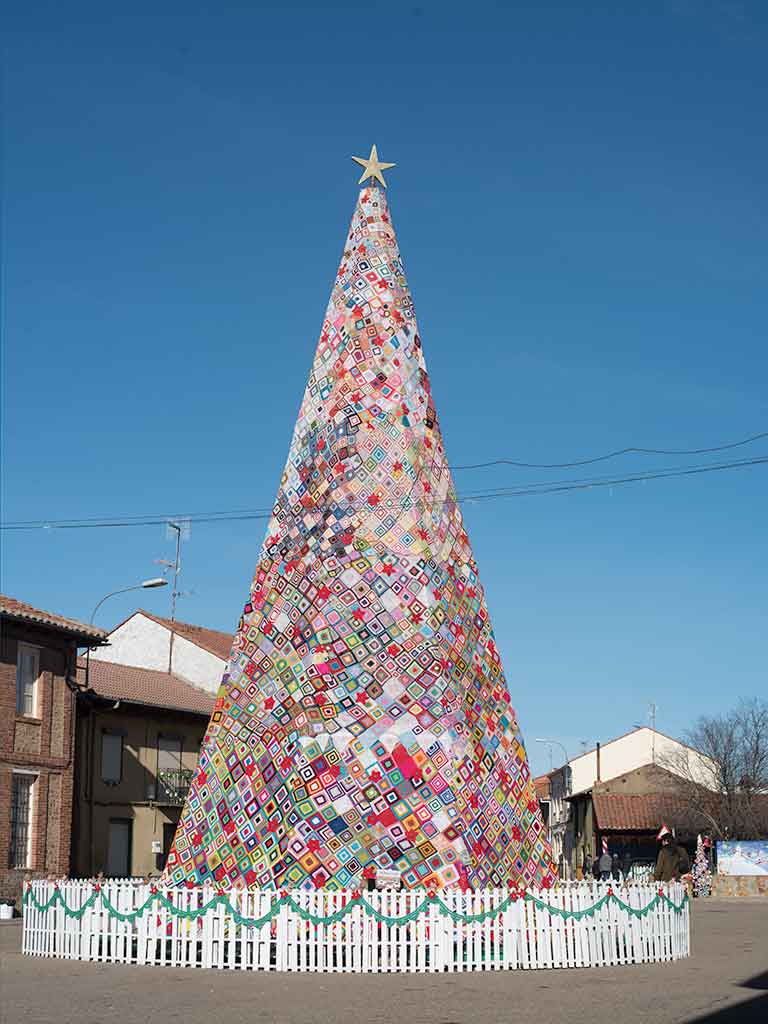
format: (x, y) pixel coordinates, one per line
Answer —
(724, 982)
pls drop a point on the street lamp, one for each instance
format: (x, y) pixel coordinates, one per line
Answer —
(562, 820)
(158, 581)
(556, 743)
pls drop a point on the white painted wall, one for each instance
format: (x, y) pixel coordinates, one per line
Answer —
(144, 643)
(638, 748)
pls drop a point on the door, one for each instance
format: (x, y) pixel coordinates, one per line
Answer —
(169, 831)
(119, 849)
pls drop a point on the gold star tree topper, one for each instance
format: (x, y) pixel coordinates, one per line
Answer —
(372, 167)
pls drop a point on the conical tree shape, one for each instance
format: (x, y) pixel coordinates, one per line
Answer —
(364, 720)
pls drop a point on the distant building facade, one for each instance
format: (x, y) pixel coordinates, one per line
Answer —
(38, 657)
(628, 811)
(139, 733)
(574, 831)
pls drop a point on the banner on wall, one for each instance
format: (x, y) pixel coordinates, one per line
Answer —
(743, 857)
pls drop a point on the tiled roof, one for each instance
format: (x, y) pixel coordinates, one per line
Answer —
(617, 812)
(11, 608)
(145, 686)
(541, 784)
(210, 640)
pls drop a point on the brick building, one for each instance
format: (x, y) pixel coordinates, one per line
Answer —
(38, 656)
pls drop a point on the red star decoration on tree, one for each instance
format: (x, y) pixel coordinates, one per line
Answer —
(269, 703)
(397, 467)
(358, 615)
(373, 499)
(313, 845)
(388, 570)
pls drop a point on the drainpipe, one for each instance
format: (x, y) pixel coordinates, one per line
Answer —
(91, 744)
(597, 758)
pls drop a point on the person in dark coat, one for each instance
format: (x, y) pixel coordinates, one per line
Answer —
(626, 863)
(672, 861)
(615, 867)
(605, 864)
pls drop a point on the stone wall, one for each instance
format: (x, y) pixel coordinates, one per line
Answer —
(740, 885)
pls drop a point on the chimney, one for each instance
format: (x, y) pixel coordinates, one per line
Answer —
(597, 758)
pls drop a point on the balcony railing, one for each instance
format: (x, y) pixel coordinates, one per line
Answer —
(172, 786)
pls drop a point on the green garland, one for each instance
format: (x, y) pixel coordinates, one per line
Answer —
(285, 899)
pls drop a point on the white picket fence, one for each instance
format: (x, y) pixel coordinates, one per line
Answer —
(521, 935)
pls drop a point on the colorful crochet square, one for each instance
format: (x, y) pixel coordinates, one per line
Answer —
(364, 720)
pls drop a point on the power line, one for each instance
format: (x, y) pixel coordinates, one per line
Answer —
(614, 455)
(520, 490)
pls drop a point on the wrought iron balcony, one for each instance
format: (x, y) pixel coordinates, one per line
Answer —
(172, 786)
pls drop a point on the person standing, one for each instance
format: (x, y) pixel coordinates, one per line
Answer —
(626, 864)
(605, 864)
(616, 867)
(672, 860)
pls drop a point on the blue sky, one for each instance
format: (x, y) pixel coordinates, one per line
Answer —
(580, 200)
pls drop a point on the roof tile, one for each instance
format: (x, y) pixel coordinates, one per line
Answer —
(15, 609)
(145, 686)
(619, 812)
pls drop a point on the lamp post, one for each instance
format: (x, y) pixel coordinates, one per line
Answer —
(561, 819)
(158, 581)
(556, 743)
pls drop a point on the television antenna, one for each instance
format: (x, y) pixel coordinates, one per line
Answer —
(178, 530)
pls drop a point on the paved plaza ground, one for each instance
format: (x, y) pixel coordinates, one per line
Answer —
(724, 982)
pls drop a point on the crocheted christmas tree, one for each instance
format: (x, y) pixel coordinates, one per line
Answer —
(364, 720)
(702, 875)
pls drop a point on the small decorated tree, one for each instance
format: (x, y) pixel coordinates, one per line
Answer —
(702, 876)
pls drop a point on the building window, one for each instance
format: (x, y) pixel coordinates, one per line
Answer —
(119, 848)
(27, 672)
(169, 772)
(21, 820)
(111, 758)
